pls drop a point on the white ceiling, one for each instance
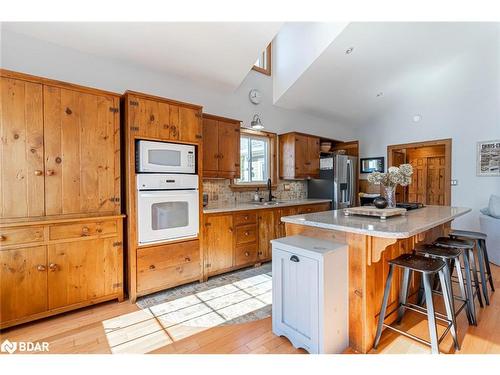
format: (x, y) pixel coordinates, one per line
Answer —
(221, 53)
(393, 58)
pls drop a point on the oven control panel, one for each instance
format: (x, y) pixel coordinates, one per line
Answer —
(164, 181)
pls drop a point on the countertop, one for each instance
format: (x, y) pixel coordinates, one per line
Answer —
(241, 206)
(414, 222)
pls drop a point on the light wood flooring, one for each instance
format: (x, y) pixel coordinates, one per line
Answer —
(91, 330)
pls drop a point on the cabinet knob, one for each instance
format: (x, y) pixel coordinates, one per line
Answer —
(247, 254)
(52, 267)
(41, 267)
(247, 233)
(38, 172)
(187, 259)
(246, 217)
(99, 230)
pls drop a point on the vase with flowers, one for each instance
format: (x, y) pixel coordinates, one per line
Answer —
(391, 179)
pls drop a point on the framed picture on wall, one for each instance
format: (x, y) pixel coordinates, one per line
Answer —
(369, 165)
(488, 158)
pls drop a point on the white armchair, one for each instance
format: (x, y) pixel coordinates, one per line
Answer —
(491, 227)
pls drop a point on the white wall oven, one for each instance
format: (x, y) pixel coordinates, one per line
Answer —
(164, 157)
(168, 207)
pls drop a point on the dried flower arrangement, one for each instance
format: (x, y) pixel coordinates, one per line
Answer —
(395, 176)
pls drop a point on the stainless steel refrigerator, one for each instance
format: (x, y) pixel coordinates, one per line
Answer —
(337, 181)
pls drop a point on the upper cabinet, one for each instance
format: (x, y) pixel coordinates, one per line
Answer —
(221, 147)
(159, 118)
(299, 156)
(60, 149)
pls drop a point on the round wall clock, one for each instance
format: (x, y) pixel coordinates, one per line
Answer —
(255, 96)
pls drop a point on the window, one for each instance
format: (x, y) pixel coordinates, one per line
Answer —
(254, 160)
(257, 160)
(263, 63)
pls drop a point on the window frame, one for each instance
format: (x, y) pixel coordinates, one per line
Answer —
(267, 69)
(273, 171)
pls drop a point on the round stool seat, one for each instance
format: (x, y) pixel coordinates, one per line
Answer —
(418, 263)
(468, 234)
(436, 251)
(454, 242)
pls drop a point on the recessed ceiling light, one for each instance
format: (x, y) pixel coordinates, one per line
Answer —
(349, 50)
(380, 94)
(417, 118)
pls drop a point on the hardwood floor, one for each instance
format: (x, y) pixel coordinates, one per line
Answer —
(94, 330)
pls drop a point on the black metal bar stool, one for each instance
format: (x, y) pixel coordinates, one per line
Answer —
(482, 258)
(469, 267)
(428, 267)
(451, 258)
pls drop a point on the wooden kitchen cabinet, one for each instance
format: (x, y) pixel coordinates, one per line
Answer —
(299, 156)
(267, 232)
(23, 282)
(218, 243)
(21, 154)
(221, 153)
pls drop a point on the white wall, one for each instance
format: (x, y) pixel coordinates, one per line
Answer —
(33, 56)
(296, 47)
(460, 101)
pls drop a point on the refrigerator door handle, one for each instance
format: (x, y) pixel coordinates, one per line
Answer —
(349, 182)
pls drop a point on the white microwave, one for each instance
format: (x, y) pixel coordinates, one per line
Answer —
(164, 157)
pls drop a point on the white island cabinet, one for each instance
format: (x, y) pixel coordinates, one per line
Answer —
(310, 293)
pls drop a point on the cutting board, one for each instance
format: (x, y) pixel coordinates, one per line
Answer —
(382, 213)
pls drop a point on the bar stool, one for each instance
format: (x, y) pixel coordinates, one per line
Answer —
(428, 267)
(469, 266)
(451, 258)
(482, 257)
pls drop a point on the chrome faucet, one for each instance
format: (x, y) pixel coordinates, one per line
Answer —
(271, 196)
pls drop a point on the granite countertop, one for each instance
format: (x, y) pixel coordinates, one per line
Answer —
(414, 222)
(241, 206)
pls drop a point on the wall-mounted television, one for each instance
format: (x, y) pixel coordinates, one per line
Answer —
(369, 165)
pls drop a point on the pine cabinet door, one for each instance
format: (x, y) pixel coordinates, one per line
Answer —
(22, 149)
(267, 232)
(313, 156)
(83, 270)
(229, 149)
(23, 282)
(210, 147)
(190, 125)
(218, 238)
(301, 156)
(82, 148)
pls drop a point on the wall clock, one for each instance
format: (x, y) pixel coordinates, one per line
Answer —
(255, 96)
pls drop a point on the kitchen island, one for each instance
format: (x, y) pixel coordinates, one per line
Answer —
(372, 242)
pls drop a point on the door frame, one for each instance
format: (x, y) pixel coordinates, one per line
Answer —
(447, 142)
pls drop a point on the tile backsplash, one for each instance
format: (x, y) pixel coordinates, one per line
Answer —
(219, 190)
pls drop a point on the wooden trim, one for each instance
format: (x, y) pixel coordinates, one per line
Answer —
(273, 145)
(161, 99)
(220, 118)
(52, 82)
(21, 222)
(447, 143)
(267, 71)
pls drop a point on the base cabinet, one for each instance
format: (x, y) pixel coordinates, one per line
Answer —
(310, 293)
(54, 267)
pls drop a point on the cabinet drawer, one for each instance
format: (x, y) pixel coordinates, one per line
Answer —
(246, 234)
(164, 256)
(15, 236)
(77, 230)
(314, 208)
(245, 254)
(245, 218)
(155, 278)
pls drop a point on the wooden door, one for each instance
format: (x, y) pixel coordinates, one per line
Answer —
(229, 149)
(21, 151)
(210, 147)
(266, 232)
(82, 270)
(23, 282)
(218, 239)
(436, 172)
(313, 156)
(190, 125)
(417, 190)
(301, 155)
(82, 148)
